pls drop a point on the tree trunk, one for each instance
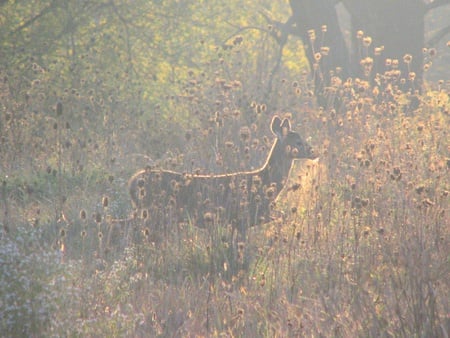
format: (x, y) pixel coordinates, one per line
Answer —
(397, 25)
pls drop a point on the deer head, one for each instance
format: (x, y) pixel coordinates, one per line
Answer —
(287, 146)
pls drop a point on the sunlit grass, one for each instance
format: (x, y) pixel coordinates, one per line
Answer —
(359, 248)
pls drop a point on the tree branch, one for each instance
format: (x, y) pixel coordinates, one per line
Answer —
(438, 36)
(127, 33)
(436, 4)
(46, 10)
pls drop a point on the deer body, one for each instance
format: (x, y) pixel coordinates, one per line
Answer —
(241, 198)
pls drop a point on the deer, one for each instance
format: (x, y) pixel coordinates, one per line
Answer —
(242, 199)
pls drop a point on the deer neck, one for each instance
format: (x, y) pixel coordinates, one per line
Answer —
(277, 166)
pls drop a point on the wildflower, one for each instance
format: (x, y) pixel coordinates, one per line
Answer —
(236, 84)
(172, 201)
(256, 180)
(238, 40)
(187, 135)
(317, 57)
(407, 58)
(378, 50)
(325, 51)
(359, 203)
(270, 192)
(97, 217)
(105, 201)
(396, 175)
(146, 232)
(208, 217)
(419, 189)
(174, 185)
(245, 133)
(367, 62)
(140, 183)
(376, 91)
(59, 108)
(367, 41)
(366, 231)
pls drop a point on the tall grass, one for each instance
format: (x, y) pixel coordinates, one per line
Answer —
(360, 250)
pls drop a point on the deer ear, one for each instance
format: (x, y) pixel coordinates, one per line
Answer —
(275, 126)
(286, 127)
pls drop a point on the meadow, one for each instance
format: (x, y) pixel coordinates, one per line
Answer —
(359, 248)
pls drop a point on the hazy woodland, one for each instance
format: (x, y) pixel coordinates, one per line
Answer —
(93, 91)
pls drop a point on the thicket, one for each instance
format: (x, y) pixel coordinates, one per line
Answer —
(91, 92)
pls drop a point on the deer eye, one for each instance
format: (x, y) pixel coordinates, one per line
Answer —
(299, 144)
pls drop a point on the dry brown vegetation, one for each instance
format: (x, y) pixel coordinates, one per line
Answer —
(367, 254)
(358, 244)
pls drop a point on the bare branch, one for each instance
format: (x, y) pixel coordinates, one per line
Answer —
(246, 28)
(435, 4)
(438, 36)
(44, 11)
(127, 32)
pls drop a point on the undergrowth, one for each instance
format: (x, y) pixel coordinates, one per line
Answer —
(367, 255)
